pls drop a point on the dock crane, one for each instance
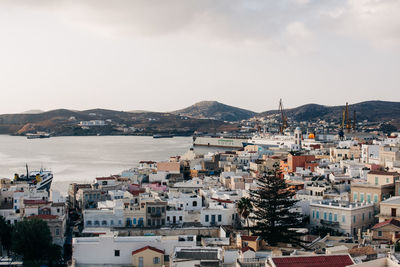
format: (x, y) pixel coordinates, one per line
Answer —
(346, 121)
(284, 120)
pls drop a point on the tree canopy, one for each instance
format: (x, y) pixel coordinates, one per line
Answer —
(274, 210)
(31, 239)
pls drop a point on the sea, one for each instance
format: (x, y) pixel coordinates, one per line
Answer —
(83, 158)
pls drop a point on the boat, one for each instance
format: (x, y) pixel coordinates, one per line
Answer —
(219, 141)
(39, 180)
(38, 135)
(163, 136)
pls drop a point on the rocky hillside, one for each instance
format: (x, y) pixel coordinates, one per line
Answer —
(215, 110)
(374, 111)
(66, 122)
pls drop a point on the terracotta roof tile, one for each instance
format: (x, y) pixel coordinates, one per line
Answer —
(313, 261)
(43, 217)
(147, 247)
(387, 222)
(356, 251)
(249, 238)
(384, 173)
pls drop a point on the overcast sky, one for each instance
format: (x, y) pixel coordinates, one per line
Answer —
(165, 55)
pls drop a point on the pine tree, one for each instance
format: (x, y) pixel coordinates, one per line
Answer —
(273, 214)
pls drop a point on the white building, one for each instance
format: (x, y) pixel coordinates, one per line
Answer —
(345, 217)
(109, 250)
(108, 214)
(218, 213)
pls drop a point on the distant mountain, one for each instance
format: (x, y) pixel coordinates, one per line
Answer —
(374, 111)
(206, 116)
(66, 122)
(215, 110)
(33, 111)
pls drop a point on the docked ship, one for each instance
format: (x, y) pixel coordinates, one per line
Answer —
(40, 180)
(277, 141)
(37, 135)
(219, 141)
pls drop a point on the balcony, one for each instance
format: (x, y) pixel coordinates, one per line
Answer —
(156, 214)
(329, 223)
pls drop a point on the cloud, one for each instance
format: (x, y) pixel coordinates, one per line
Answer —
(269, 22)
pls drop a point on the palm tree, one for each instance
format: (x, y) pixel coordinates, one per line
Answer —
(245, 207)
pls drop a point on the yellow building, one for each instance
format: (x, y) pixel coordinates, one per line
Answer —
(148, 256)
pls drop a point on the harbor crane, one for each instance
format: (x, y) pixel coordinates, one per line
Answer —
(284, 119)
(346, 121)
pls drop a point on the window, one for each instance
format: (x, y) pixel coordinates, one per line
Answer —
(324, 215)
(361, 197)
(313, 214)
(153, 209)
(156, 260)
(149, 210)
(330, 216)
(88, 222)
(112, 222)
(96, 223)
(158, 209)
(375, 198)
(163, 209)
(387, 180)
(140, 261)
(379, 233)
(207, 218)
(194, 203)
(116, 253)
(180, 218)
(376, 180)
(363, 216)
(335, 217)
(369, 198)
(134, 221)
(167, 218)
(57, 231)
(369, 215)
(343, 218)
(393, 212)
(354, 218)
(104, 223)
(149, 222)
(213, 218)
(317, 214)
(219, 217)
(355, 197)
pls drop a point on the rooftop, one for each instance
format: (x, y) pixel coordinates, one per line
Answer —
(313, 261)
(384, 173)
(392, 200)
(147, 247)
(387, 222)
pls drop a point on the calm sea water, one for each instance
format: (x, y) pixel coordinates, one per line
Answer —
(81, 159)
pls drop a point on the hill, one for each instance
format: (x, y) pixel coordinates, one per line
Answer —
(66, 122)
(373, 111)
(215, 110)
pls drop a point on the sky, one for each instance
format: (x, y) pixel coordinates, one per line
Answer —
(165, 55)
